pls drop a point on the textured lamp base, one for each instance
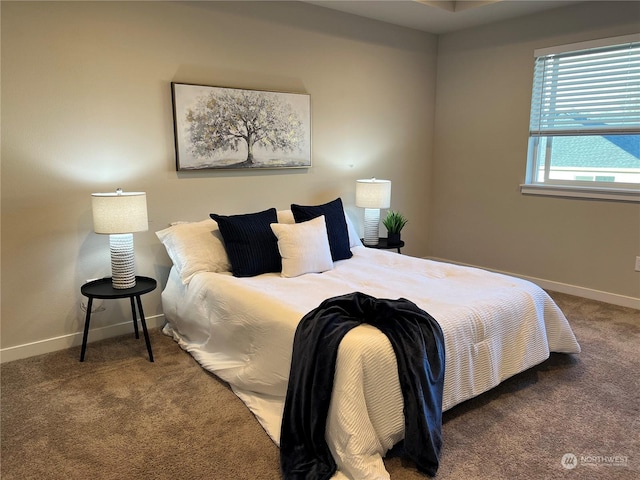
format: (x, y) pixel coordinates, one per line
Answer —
(371, 225)
(122, 261)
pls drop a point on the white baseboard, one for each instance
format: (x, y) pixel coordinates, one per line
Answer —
(74, 339)
(607, 297)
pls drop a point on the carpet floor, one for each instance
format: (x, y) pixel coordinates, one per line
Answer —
(118, 416)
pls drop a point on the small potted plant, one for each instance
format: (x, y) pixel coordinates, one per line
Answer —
(394, 222)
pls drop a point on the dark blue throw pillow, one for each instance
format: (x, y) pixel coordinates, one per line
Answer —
(251, 245)
(336, 225)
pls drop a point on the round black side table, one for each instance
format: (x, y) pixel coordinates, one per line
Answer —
(383, 244)
(103, 289)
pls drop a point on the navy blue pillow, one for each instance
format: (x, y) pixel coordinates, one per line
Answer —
(336, 225)
(251, 245)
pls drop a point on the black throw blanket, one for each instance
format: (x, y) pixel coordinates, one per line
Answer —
(418, 344)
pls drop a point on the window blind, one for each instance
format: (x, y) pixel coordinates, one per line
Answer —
(585, 92)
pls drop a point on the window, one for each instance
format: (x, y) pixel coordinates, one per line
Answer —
(584, 134)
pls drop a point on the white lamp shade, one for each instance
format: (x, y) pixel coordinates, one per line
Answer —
(119, 212)
(373, 193)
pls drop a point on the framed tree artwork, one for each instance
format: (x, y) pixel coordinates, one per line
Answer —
(230, 128)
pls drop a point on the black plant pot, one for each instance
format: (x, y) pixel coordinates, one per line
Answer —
(393, 239)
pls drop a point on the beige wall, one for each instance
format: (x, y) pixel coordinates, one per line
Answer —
(478, 215)
(86, 107)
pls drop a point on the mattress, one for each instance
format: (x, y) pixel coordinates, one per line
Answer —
(241, 329)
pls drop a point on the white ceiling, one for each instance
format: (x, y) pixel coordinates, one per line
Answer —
(440, 16)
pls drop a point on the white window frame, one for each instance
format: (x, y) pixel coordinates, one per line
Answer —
(574, 188)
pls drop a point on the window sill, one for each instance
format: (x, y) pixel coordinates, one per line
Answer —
(594, 193)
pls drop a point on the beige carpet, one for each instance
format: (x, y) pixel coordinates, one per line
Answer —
(118, 416)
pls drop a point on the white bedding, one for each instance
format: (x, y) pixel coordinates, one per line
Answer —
(242, 329)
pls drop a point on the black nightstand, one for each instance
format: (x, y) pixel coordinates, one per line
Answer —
(103, 289)
(383, 244)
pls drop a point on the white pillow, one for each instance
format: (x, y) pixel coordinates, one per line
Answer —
(354, 239)
(195, 247)
(286, 216)
(304, 247)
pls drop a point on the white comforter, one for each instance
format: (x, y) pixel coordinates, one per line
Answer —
(242, 330)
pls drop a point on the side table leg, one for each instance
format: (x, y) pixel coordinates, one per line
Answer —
(86, 329)
(135, 319)
(144, 328)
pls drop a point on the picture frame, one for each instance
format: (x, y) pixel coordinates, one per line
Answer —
(232, 128)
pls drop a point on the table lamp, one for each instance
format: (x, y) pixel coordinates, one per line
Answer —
(119, 214)
(372, 195)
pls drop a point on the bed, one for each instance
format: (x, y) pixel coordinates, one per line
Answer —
(241, 328)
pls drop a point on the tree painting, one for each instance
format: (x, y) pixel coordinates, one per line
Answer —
(232, 128)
